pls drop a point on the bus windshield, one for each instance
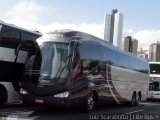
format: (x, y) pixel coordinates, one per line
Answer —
(154, 86)
(155, 68)
(49, 63)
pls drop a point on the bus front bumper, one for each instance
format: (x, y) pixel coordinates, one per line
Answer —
(58, 100)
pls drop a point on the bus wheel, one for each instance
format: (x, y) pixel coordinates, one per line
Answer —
(3, 95)
(90, 106)
(138, 99)
(133, 100)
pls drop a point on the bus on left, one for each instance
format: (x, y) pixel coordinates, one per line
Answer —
(15, 45)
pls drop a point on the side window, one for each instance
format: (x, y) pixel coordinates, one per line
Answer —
(90, 54)
(143, 67)
(133, 64)
(27, 36)
(27, 40)
(10, 33)
(94, 67)
(90, 66)
(9, 37)
(90, 51)
(109, 56)
(85, 67)
(122, 60)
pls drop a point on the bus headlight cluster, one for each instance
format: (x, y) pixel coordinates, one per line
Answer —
(62, 95)
(22, 91)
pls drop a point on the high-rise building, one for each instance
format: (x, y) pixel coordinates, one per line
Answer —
(154, 52)
(130, 45)
(107, 29)
(114, 11)
(114, 28)
(134, 46)
(127, 43)
(118, 27)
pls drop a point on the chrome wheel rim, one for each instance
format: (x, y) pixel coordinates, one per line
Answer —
(90, 102)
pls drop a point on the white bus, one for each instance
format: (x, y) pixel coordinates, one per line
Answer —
(15, 42)
(154, 87)
(73, 68)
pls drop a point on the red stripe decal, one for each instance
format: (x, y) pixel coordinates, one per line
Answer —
(114, 91)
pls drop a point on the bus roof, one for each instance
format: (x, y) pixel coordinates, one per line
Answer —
(37, 33)
(85, 37)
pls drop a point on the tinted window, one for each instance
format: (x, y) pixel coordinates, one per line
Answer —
(27, 40)
(143, 67)
(27, 36)
(109, 55)
(122, 60)
(155, 68)
(9, 37)
(90, 51)
(8, 33)
(54, 60)
(138, 65)
(133, 63)
(48, 64)
(154, 86)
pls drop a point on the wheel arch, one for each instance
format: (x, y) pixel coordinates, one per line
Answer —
(96, 96)
(140, 95)
(3, 94)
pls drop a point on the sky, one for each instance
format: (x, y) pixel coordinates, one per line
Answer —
(141, 17)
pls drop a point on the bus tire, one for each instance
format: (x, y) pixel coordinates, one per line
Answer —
(3, 95)
(133, 100)
(90, 102)
(138, 99)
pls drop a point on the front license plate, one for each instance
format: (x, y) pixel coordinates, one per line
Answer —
(39, 101)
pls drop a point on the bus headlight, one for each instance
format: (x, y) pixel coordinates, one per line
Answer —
(62, 95)
(22, 91)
